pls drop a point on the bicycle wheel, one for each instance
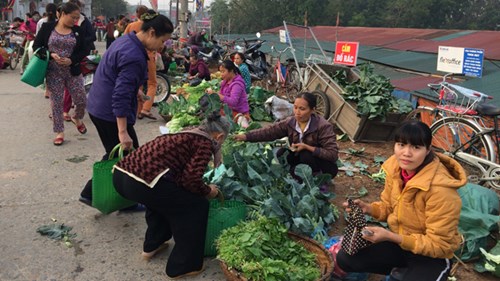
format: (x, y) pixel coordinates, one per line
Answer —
(162, 88)
(292, 83)
(454, 134)
(14, 58)
(451, 134)
(322, 104)
(425, 114)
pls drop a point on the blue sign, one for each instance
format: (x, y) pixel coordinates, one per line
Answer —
(473, 62)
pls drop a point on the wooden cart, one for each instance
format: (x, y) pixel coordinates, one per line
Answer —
(334, 108)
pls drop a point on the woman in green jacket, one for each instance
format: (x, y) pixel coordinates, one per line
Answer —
(421, 206)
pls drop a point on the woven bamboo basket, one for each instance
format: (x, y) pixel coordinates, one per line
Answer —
(324, 259)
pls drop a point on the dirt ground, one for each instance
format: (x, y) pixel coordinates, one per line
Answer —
(351, 185)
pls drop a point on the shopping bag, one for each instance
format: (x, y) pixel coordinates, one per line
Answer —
(104, 195)
(35, 72)
(353, 240)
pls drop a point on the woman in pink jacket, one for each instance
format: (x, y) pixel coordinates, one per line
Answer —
(233, 90)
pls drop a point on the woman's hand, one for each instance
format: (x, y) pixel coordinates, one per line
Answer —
(55, 57)
(125, 140)
(240, 137)
(214, 191)
(209, 91)
(221, 97)
(365, 207)
(376, 234)
(65, 61)
(296, 147)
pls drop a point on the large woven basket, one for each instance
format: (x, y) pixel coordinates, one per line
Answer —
(324, 259)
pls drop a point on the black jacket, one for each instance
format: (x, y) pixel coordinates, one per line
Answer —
(80, 51)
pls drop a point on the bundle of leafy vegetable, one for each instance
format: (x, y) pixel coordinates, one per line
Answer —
(57, 232)
(256, 100)
(251, 173)
(372, 93)
(262, 250)
(491, 261)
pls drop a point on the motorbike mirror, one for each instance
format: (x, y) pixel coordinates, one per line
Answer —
(257, 34)
(116, 33)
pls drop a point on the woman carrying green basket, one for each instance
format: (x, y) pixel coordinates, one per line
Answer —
(165, 175)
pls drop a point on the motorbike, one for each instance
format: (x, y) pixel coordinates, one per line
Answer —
(214, 56)
(256, 59)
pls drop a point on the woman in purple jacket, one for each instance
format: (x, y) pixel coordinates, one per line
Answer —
(312, 138)
(112, 102)
(233, 89)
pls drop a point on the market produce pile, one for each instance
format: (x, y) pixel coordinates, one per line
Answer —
(262, 250)
(253, 174)
(184, 108)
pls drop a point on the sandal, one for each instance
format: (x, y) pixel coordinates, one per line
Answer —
(148, 115)
(67, 118)
(147, 256)
(81, 128)
(58, 141)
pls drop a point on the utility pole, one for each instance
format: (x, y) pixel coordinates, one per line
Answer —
(183, 18)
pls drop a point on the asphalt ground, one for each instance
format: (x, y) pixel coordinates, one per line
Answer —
(40, 183)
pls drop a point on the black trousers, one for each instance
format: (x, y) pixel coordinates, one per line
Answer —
(171, 211)
(109, 40)
(381, 258)
(317, 164)
(108, 133)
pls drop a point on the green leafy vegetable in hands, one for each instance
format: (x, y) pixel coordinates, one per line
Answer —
(262, 250)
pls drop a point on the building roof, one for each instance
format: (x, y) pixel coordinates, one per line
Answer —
(407, 56)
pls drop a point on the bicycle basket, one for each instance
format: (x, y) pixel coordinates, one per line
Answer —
(459, 100)
(17, 39)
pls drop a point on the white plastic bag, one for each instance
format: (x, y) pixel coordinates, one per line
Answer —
(279, 108)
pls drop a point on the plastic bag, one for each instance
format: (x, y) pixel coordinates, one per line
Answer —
(478, 217)
(279, 108)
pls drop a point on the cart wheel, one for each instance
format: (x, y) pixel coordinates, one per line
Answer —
(162, 88)
(322, 104)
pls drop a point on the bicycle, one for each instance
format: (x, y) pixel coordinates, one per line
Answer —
(461, 129)
(286, 77)
(16, 39)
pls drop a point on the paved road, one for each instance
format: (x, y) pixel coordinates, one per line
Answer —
(37, 183)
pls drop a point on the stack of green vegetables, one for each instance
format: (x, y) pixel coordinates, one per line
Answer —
(185, 112)
(372, 93)
(262, 250)
(256, 100)
(251, 173)
(491, 261)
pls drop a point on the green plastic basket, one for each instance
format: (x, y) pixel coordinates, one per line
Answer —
(104, 195)
(220, 217)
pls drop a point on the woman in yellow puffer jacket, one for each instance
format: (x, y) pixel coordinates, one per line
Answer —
(421, 206)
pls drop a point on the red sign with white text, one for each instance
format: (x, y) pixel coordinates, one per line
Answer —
(346, 53)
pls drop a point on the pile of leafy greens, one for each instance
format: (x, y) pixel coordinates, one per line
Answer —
(262, 250)
(58, 232)
(251, 173)
(256, 100)
(491, 261)
(371, 93)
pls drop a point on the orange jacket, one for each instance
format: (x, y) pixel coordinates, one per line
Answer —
(426, 212)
